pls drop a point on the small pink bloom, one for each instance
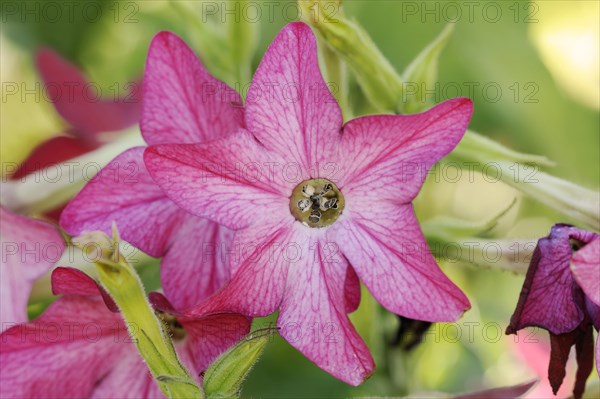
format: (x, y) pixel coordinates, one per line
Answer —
(560, 294)
(183, 103)
(316, 203)
(80, 348)
(29, 249)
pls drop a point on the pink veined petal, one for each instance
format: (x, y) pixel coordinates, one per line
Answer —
(62, 354)
(76, 100)
(29, 249)
(387, 249)
(388, 156)
(585, 266)
(71, 281)
(259, 264)
(289, 107)
(128, 379)
(351, 289)
(549, 298)
(210, 336)
(124, 192)
(313, 317)
(183, 103)
(196, 264)
(229, 181)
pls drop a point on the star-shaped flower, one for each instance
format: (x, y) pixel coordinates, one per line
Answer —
(79, 347)
(316, 203)
(561, 294)
(183, 103)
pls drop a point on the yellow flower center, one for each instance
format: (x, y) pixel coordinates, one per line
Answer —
(316, 203)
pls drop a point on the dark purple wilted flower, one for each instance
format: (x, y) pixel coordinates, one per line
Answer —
(561, 294)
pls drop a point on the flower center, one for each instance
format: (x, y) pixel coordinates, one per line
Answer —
(316, 203)
(174, 328)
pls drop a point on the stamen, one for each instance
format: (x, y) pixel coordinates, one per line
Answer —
(303, 205)
(319, 196)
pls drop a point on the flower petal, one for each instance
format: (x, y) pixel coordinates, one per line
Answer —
(124, 192)
(183, 103)
(129, 379)
(289, 107)
(313, 316)
(585, 266)
(390, 255)
(62, 354)
(195, 265)
(76, 100)
(388, 156)
(550, 298)
(228, 181)
(71, 281)
(29, 249)
(212, 335)
(259, 266)
(351, 289)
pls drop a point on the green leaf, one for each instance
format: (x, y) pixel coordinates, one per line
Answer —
(422, 73)
(225, 376)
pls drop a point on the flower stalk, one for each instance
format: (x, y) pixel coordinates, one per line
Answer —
(147, 332)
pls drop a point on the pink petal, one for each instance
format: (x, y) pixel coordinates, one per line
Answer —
(228, 181)
(125, 193)
(388, 156)
(351, 289)
(212, 335)
(71, 281)
(290, 109)
(76, 100)
(313, 316)
(193, 266)
(209, 335)
(128, 379)
(29, 249)
(259, 266)
(548, 298)
(196, 264)
(391, 257)
(585, 266)
(62, 354)
(183, 103)
(52, 151)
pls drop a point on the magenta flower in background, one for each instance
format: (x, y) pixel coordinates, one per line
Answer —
(315, 203)
(561, 294)
(30, 248)
(76, 101)
(183, 103)
(79, 347)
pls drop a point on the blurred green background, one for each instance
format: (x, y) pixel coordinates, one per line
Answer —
(538, 61)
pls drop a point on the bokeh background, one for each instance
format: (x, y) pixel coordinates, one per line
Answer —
(543, 58)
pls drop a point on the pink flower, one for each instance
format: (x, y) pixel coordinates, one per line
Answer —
(316, 203)
(80, 348)
(29, 249)
(75, 99)
(561, 294)
(181, 105)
